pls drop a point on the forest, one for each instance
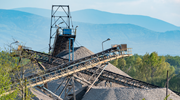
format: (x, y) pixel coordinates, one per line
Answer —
(152, 68)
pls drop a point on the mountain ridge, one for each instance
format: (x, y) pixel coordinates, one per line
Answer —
(101, 17)
(34, 31)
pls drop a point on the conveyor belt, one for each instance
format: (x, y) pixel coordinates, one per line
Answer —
(74, 66)
(122, 80)
(61, 43)
(45, 58)
(87, 66)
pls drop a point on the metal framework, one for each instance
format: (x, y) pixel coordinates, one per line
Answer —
(74, 66)
(68, 89)
(122, 80)
(61, 29)
(43, 57)
(64, 35)
(96, 78)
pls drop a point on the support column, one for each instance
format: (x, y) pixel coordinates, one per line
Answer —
(96, 78)
(74, 95)
(71, 40)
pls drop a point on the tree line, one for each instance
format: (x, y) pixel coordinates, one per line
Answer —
(152, 68)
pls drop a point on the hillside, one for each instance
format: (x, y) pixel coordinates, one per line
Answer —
(140, 39)
(100, 17)
(33, 30)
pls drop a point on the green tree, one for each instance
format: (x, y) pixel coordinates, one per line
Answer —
(138, 62)
(10, 74)
(150, 68)
(122, 64)
(115, 62)
(6, 65)
(136, 72)
(174, 83)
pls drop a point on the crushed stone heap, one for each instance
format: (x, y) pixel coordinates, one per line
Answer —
(122, 93)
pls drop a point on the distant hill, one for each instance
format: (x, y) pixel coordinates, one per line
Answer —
(28, 28)
(140, 39)
(34, 31)
(36, 11)
(100, 17)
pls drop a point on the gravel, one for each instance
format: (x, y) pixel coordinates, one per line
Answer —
(121, 93)
(39, 95)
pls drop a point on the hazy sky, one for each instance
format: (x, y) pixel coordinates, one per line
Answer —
(167, 10)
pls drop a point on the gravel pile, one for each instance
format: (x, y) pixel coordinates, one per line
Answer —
(79, 52)
(39, 95)
(114, 69)
(121, 93)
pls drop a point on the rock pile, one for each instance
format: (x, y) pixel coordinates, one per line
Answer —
(122, 93)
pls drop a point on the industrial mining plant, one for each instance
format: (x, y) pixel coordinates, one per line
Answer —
(76, 73)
